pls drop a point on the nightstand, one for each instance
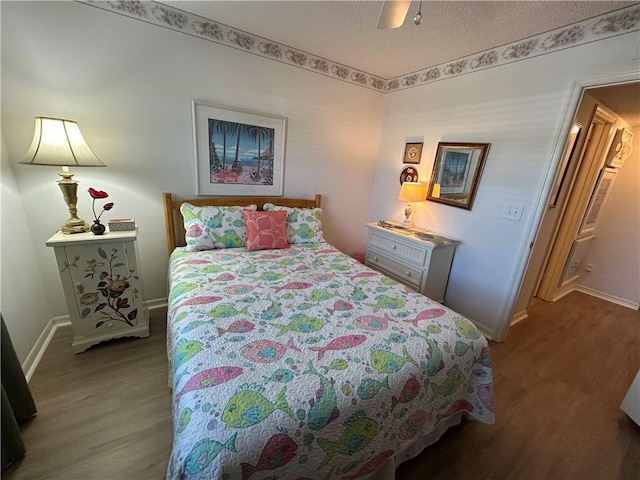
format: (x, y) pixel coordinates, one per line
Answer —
(419, 259)
(102, 286)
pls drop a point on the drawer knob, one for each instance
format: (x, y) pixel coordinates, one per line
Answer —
(407, 273)
(77, 284)
(375, 258)
(394, 246)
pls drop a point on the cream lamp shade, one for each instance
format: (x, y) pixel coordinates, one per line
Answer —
(410, 192)
(59, 142)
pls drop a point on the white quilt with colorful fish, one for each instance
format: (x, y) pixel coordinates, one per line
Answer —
(301, 363)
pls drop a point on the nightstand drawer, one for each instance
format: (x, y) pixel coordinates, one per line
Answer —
(392, 244)
(398, 271)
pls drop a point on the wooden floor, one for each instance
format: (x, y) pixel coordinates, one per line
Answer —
(559, 380)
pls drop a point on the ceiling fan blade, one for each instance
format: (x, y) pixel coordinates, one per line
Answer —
(393, 13)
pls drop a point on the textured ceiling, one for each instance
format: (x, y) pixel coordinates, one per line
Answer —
(345, 31)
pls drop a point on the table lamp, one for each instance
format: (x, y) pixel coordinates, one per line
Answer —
(58, 142)
(410, 192)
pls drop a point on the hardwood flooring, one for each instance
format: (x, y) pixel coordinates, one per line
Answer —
(559, 380)
(103, 414)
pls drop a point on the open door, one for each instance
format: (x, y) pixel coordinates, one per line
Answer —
(591, 131)
(571, 241)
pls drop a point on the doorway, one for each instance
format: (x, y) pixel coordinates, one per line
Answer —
(551, 249)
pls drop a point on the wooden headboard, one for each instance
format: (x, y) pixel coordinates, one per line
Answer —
(175, 225)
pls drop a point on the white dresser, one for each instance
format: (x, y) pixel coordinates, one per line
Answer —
(421, 263)
(102, 286)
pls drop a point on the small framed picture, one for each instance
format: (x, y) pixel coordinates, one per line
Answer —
(412, 153)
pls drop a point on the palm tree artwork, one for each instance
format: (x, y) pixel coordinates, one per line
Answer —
(258, 134)
(237, 153)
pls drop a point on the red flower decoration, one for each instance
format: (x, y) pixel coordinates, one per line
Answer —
(97, 193)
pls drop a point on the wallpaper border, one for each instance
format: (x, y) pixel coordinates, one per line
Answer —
(608, 25)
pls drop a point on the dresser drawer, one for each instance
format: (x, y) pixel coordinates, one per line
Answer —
(407, 275)
(422, 263)
(415, 254)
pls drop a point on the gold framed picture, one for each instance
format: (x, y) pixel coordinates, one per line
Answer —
(412, 153)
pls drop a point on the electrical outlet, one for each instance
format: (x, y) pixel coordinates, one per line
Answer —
(512, 211)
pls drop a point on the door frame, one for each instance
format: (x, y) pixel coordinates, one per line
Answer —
(540, 205)
(601, 134)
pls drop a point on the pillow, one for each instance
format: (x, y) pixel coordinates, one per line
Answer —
(266, 230)
(304, 225)
(214, 227)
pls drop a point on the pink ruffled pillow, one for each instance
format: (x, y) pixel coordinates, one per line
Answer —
(266, 230)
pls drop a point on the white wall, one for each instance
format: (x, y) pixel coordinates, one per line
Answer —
(24, 306)
(129, 85)
(615, 250)
(520, 109)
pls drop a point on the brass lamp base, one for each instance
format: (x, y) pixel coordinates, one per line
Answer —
(69, 188)
(68, 229)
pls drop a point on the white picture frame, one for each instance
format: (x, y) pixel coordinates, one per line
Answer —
(599, 197)
(238, 152)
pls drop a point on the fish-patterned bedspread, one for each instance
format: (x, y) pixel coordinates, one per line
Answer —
(302, 363)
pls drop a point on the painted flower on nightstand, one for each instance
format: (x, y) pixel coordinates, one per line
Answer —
(89, 298)
(122, 303)
(98, 228)
(116, 286)
(91, 267)
(110, 301)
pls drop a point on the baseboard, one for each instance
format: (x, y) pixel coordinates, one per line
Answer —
(609, 298)
(562, 292)
(35, 355)
(61, 321)
(40, 347)
(156, 304)
(518, 317)
(486, 332)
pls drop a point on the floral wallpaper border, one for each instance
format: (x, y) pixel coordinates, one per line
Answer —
(598, 28)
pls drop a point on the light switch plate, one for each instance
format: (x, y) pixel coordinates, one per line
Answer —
(512, 211)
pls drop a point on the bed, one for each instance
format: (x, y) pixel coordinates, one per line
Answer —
(298, 362)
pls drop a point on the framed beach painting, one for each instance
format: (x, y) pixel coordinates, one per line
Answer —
(238, 153)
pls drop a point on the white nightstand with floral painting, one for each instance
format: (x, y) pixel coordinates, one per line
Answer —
(102, 286)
